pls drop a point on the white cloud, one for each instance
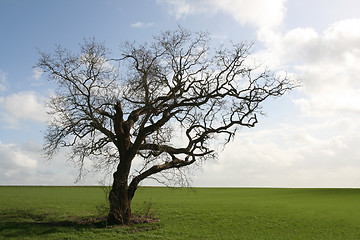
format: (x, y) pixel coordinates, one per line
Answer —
(337, 43)
(142, 24)
(2, 80)
(22, 106)
(183, 8)
(260, 13)
(328, 64)
(13, 158)
(25, 165)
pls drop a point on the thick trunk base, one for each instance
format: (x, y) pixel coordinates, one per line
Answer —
(120, 210)
(118, 219)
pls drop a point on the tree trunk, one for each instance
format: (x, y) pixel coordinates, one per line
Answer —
(120, 210)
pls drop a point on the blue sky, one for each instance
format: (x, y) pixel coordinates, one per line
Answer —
(309, 138)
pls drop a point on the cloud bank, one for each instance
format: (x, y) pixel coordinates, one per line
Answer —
(13, 158)
(21, 107)
(328, 64)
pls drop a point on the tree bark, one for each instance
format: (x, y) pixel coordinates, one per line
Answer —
(120, 209)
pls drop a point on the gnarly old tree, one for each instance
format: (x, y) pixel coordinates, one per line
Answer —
(169, 103)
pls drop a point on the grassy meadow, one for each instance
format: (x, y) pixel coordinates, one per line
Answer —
(198, 213)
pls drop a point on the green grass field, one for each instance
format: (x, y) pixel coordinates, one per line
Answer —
(199, 213)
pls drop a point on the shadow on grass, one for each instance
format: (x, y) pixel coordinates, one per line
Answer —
(25, 224)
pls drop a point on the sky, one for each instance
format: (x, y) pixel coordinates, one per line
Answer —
(308, 138)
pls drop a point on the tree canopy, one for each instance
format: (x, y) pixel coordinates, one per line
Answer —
(169, 102)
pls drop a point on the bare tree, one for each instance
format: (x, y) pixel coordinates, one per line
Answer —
(112, 110)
